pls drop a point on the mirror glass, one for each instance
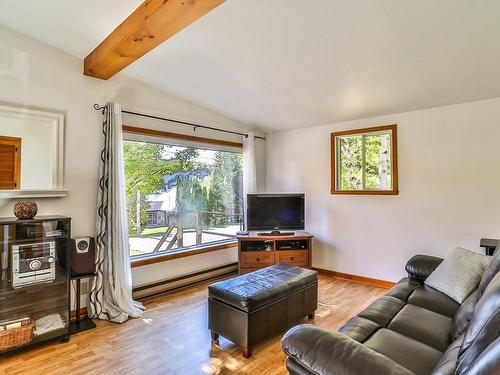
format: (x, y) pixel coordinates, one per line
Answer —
(31, 152)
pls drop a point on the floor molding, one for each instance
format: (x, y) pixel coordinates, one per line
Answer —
(356, 278)
(183, 281)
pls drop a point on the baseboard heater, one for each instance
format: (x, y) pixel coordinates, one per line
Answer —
(183, 281)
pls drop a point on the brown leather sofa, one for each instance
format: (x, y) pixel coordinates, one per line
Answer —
(413, 329)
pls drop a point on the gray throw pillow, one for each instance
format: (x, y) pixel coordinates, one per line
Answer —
(459, 274)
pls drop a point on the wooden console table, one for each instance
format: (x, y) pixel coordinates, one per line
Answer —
(256, 251)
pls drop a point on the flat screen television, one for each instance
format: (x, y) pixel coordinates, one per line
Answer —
(275, 211)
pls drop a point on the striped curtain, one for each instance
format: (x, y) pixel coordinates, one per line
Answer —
(110, 297)
(249, 171)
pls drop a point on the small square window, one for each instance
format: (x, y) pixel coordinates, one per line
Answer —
(364, 161)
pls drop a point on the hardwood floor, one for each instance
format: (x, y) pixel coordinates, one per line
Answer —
(172, 338)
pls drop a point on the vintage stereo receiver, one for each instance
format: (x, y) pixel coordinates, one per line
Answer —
(33, 263)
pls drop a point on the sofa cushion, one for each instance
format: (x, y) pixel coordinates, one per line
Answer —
(463, 316)
(423, 325)
(382, 310)
(256, 289)
(484, 327)
(411, 354)
(430, 299)
(459, 274)
(403, 289)
(359, 329)
(490, 272)
(447, 364)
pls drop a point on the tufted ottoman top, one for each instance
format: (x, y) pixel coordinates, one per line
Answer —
(256, 289)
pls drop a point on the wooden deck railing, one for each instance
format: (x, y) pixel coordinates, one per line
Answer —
(177, 219)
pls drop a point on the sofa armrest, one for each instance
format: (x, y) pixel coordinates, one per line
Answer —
(420, 267)
(322, 352)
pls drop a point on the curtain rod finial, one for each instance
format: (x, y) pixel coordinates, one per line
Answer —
(97, 107)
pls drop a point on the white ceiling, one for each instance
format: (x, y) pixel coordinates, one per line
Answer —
(291, 63)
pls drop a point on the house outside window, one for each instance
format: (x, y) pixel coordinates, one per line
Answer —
(152, 219)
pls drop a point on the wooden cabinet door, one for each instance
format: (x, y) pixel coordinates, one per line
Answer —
(297, 258)
(257, 259)
(10, 163)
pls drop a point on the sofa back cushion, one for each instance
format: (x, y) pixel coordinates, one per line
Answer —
(463, 316)
(490, 272)
(484, 328)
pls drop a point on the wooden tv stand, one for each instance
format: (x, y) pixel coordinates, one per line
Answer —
(256, 251)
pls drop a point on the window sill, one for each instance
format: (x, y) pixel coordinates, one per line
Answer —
(366, 192)
(33, 193)
(144, 261)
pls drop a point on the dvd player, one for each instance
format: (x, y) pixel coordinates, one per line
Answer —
(291, 244)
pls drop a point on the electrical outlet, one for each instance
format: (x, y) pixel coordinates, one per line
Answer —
(84, 287)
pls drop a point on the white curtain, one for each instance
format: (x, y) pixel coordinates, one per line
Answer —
(111, 294)
(249, 169)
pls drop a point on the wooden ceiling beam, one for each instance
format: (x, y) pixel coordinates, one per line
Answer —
(152, 23)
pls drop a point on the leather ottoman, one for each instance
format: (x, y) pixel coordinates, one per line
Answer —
(250, 308)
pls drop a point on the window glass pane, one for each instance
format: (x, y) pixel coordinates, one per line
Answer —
(351, 163)
(378, 162)
(181, 197)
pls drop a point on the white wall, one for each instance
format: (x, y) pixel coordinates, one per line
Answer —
(34, 74)
(449, 179)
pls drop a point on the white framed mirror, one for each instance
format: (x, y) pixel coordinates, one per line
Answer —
(31, 152)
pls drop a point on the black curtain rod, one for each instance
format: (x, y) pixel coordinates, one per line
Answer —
(97, 107)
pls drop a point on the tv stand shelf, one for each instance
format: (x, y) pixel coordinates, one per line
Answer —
(257, 251)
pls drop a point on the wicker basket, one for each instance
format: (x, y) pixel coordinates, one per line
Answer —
(16, 337)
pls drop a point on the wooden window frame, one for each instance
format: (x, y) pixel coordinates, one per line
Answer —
(148, 259)
(159, 258)
(394, 160)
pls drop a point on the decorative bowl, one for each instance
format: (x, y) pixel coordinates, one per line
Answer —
(25, 210)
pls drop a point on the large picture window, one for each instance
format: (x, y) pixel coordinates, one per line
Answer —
(181, 198)
(364, 161)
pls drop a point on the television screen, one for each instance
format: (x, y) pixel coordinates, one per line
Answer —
(275, 211)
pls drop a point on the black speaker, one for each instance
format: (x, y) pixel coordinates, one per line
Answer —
(82, 256)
